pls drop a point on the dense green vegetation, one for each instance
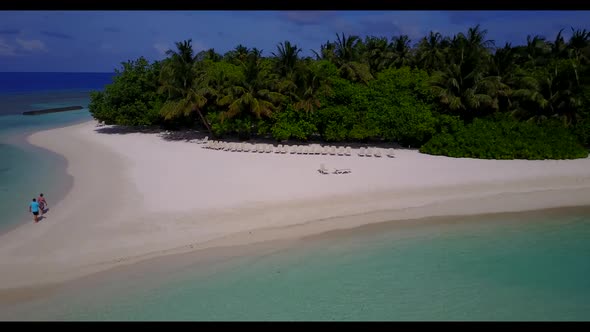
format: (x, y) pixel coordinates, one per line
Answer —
(507, 138)
(459, 96)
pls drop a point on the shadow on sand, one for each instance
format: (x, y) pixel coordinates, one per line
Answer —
(169, 135)
(195, 135)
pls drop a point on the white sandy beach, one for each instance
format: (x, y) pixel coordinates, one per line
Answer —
(137, 196)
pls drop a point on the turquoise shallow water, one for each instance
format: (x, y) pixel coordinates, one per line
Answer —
(531, 266)
(25, 170)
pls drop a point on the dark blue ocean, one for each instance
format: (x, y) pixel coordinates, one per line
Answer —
(16, 82)
(26, 170)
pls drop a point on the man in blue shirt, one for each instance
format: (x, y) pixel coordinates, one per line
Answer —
(34, 208)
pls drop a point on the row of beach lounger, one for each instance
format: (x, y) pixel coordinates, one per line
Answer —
(297, 149)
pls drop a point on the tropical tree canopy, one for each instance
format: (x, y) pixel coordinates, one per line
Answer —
(372, 88)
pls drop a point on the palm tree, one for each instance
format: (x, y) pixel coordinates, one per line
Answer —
(326, 52)
(347, 58)
(377, 54)
(558, 47)
(402, 52)
(287, 58)
(430, 53)
(548, 93)
(311, 85)
(238, 54)
(470, 51)
(181, 62)
(536, 50)
(181, 79)
(502, 62)
(252, 95)
(476, 39)
(467, 93)
(579, 45)
(210, 55)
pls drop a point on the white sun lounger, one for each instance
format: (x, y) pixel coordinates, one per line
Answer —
(324, 150)
(332, 150)
(342, 171)
(262, 148)
(377, 153)
(348, 151)
(390, 153)
(340, 151)
(278, 149)
(362, 152)
(323, 169)
(369, 152)
(285, 149)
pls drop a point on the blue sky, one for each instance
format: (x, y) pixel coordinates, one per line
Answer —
(98, 41)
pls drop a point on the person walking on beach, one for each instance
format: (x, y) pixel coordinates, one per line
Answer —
(34, 209)
(42, 204)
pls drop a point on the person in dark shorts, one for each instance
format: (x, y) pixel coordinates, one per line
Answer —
(34, 209)
(42, 204)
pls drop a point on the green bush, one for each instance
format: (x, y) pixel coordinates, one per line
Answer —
(132, 98)
(292, 124)
(218, 127)
(505, 138)
(334, 123)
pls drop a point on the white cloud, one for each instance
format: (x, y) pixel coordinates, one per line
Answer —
(6, 49)
(198, 46)
(31, 45)
(161, 48)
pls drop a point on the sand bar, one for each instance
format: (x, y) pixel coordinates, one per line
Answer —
(137, 196)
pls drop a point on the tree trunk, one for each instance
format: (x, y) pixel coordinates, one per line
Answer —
(205, 122)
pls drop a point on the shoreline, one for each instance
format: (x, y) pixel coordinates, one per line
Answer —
(19, 140)
(119, 183)
(218, 257)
